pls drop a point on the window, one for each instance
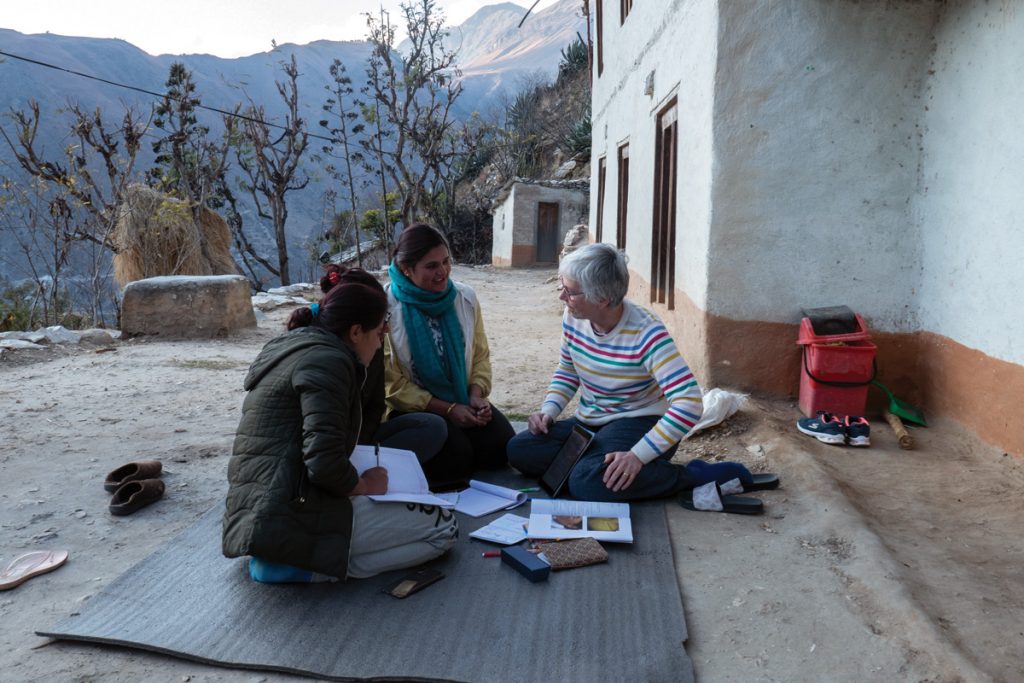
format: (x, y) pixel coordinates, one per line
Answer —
(620, 217)
(663, 244)
(599, 37)
(624, 7)
(602, 171)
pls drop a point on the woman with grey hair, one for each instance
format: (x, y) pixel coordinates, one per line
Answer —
(638, 395)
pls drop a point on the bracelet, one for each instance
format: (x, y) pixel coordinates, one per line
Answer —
(450, 409)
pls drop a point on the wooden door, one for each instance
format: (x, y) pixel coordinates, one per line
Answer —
(547, 232)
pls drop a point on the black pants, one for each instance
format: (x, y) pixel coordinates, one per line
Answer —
(467, 450)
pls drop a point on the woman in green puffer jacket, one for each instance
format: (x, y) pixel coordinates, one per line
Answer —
(295, 503)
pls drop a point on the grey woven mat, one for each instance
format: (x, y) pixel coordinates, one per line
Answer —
(484, 622)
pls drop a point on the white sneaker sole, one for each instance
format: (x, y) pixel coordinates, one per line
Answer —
(833, 439)
(860, 441)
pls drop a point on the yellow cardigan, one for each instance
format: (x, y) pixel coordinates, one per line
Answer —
(404, 395)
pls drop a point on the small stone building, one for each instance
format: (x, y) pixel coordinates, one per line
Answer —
(531, 219)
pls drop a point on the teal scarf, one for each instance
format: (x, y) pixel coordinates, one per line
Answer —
(417, 304)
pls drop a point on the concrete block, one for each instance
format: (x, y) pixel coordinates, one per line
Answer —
(190, 306)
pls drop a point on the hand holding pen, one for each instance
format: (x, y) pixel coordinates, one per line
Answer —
(373, 481)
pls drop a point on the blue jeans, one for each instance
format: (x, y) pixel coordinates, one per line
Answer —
(532, 453)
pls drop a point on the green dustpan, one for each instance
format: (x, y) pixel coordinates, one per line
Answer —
(902, 409)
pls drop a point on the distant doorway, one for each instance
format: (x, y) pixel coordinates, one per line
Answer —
(547, 232)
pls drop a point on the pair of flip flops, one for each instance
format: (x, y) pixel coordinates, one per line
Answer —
(718, 485)
(31, 564)
(134, 486)
(715, 497)
(702, 472)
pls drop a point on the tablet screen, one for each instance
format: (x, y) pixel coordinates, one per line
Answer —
(554, 478)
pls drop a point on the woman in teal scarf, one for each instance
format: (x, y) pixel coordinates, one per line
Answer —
(437, 358)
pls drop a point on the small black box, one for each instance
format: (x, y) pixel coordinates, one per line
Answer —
(526, 563)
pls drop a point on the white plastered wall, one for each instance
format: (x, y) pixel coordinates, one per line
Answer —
(676, 42)
(817, 153)
(831, 152)
(515, 219)
(502, 236)
(971, 200)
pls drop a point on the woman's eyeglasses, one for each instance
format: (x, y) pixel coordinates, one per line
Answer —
(562, 289)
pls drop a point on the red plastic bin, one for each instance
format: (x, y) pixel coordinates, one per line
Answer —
(835, 370)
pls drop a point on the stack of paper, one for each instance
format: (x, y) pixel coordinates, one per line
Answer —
(507, 529)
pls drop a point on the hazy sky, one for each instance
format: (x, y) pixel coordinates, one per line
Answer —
(226, 28)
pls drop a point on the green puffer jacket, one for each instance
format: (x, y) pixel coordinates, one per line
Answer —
(289, 473)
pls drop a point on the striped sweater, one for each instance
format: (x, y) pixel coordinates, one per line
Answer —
(633, 370)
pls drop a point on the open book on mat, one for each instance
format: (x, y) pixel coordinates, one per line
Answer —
(579, 519)
(406, 481)
(482, 498)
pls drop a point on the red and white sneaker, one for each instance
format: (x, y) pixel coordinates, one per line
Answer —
(824, 427)
(858, 431)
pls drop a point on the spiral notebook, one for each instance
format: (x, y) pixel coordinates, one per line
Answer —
(482, 498)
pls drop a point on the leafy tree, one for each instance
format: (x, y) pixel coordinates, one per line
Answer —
(343, 231)
(189, 165)
(69, 207)
(378, 222)
(374, 145)
(413, 95)
(271, 160)
(45, 241)
(342, 111)
(96, 166)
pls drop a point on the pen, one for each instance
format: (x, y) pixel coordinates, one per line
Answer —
(376, 452)
(529, 489)
(491, 553)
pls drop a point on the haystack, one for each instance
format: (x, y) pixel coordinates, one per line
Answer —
(156, 234)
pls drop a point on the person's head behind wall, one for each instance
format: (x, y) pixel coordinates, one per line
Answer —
(333, 273)
(600, 272)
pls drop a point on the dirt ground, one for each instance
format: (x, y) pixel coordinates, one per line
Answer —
(869, 565)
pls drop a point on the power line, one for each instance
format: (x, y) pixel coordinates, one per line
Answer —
(236, 115)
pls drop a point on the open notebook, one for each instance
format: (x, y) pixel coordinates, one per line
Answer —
(406, 481)
(482, 498)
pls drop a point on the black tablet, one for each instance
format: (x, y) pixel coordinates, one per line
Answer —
(554, 478)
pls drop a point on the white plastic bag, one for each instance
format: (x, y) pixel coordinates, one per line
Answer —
(719, 404)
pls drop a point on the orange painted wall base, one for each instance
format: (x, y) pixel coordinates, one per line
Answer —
(522, 255)
(933, 372)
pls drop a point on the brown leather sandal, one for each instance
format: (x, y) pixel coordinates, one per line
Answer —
(133, 471)
(135, 495)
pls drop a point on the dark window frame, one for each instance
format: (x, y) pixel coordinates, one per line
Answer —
(600, 37)
(663, 237)
(624, 8)
(602, 173)
(621, 213)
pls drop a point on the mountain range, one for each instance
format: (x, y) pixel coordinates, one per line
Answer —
(495, 56)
